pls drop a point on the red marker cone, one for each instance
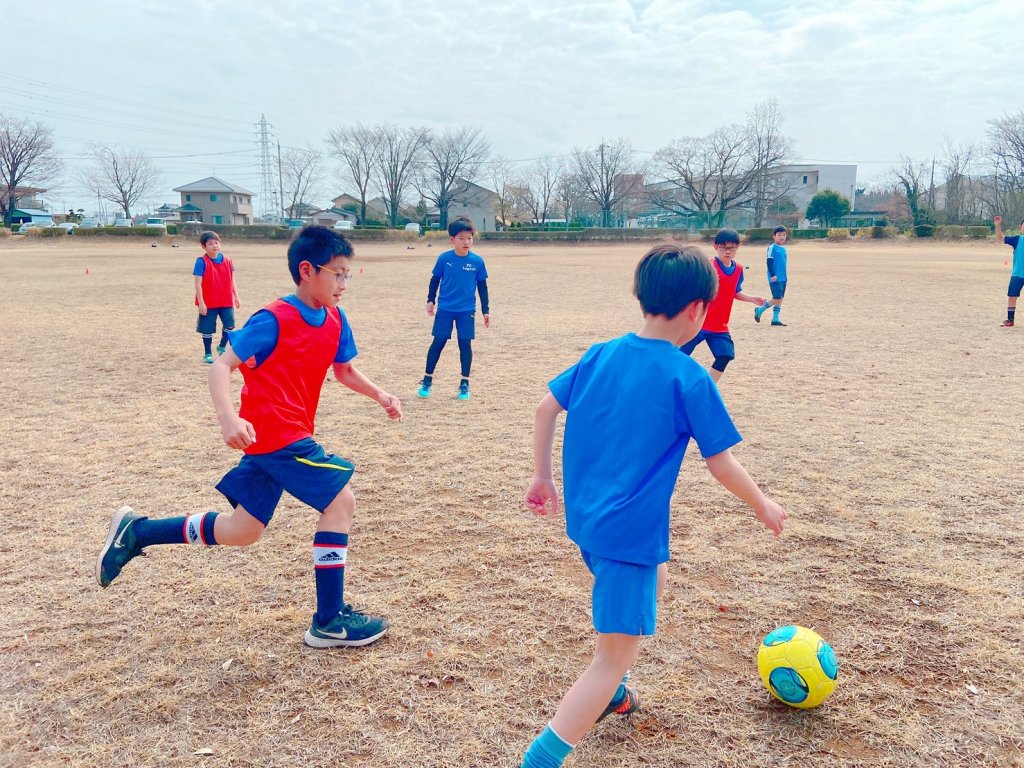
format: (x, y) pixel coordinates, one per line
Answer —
(360, 270)
(87, 270)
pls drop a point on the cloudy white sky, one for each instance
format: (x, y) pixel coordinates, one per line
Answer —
(859, 82)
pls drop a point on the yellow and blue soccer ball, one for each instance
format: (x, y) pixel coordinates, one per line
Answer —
(797, 666)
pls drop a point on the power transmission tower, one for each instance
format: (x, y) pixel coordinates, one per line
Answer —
(269, 207)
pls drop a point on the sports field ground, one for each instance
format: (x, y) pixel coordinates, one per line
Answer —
(886, 418)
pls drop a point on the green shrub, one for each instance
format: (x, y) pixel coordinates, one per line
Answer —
(952, 231)
(879, 231)
(839, 233)
(4, 232)
(708, 234)
(50, 232)
(978, 232)
(758, 234)
(172, 229)
(924, 230)
(811, 233)
(149, 232)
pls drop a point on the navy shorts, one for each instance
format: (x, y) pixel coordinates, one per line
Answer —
(778, 289)
(207, 324)
(720, 344)
(303, 468)
(1016, 284)
(625, 596)
(465, 324)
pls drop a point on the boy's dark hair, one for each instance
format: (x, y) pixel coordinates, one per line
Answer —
(669, 277)
(207, 236)
(727, 236)
(317, 245)
(461, 224)
(777, 230)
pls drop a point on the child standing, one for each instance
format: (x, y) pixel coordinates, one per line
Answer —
(216, 294)
(715, 331)
(777, 277)
(287, 349)
(633, 404)
(460, 273)
(1016, 271)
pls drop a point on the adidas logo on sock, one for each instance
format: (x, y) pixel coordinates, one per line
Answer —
(329, 557)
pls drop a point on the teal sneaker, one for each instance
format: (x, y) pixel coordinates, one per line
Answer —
(630, 703)
(464, 390)
(348, 628)
(208, 359)
(425, 385)
(221, 350)
(121, 546)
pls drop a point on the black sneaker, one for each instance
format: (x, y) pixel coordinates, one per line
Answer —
(779, 323)
(121, 546)
(348, 628)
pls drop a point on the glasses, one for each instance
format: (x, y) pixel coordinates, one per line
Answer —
(341, 277)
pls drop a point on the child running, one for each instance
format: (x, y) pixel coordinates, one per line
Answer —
(633, 404)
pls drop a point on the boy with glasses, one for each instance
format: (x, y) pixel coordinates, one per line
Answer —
(284, 352)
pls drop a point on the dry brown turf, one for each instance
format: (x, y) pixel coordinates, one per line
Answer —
(886, 418)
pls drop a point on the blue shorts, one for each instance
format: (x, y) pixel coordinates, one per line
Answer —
(1016, 284)
(625, 596)
(303, 468)
(464, 322)
(778, 289)
(720, 344)
(207, 324)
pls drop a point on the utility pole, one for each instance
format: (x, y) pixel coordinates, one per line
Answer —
(280, 181)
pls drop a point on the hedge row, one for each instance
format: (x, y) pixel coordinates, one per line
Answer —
(149, 232)
(617, 234)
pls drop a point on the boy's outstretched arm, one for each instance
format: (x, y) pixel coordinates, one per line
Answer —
(741, 296)
(236, 431)
(998, 221)
(542, 486)
(734, 478)
(354, 379)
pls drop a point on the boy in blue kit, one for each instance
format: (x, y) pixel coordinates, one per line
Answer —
(284, 352)
(1016, 271)
(633, 404)
(777, 277)
(460, 273)
(216, 294)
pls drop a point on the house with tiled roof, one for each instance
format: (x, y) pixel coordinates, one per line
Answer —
(214, 201)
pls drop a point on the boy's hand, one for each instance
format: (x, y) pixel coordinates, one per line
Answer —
(774, 278)
(487, 321)
(772, 516)
(238, 304)
(541, 491)
(997, 220)
(759, 299)
(430, 309)
(391, 406)
(237, 432)
(202, 309)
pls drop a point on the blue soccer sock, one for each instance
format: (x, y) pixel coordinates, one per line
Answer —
(191, 529)
(548, 750)
(775, 312)
(330, 551)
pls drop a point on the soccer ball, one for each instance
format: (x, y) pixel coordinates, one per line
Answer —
(797, 666)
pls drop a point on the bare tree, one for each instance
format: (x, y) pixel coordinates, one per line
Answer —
(401, 151)
(358, 148)
(540, 188)
(956, 168)
(770, 151)
(567, 193)
(607, 174)
(507, 186)
(911, 179)
(450, 161)
(122, 176)
(302, 175)
(27, 158)
(1006, 155)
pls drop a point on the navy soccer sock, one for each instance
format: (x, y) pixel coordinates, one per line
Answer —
(330, 551)
(191, 529)
(208, 344)
(1010, 312)
(434, 354)
(223, 339)
(466, 356)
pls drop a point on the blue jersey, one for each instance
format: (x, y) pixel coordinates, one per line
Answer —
(459, 276)
(777, 263)
(200, 266)
(1017, 243)
(258, 337)
(633, 404)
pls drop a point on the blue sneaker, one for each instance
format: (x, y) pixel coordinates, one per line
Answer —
(630, 703)
(760, 311)
(464, 390)
(425, 385)
(208, 359)
(221, 350)
(121, 546)
(348, 628)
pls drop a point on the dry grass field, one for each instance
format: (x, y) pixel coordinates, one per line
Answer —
(886, 418)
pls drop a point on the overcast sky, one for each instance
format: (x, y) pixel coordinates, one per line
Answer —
(859, 82)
